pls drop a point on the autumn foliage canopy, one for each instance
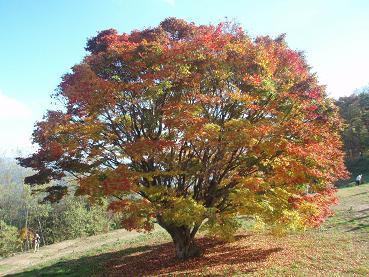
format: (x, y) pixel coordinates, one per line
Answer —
(191, 126)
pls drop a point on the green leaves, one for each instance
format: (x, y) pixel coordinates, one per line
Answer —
(9, 239)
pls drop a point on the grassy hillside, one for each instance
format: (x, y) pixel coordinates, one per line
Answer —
(339, 247)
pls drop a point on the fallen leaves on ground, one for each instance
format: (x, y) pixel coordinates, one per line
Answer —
(249, 254)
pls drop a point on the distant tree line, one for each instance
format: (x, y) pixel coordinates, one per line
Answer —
(24, 213)
(354, 110)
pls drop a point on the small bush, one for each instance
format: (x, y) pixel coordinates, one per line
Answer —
(9, 239)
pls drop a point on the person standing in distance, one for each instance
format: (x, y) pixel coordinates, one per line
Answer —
(358, 179)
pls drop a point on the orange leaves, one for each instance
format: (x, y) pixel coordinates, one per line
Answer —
(104, 40)
(254, 184)
(120, 181)
(315, 208)
(117, 185)
(84, 87)
(142, 148)
(253, 80)
(207, 99)
(55, 150)
(185, 116)
(136, 214)
(243, 97)
(118, 206)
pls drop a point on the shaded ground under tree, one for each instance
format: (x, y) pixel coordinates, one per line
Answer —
(159, 259)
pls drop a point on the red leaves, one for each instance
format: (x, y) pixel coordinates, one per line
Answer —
(254, 79)
(55, 150)
(314, 93)
(189, 111)
(136, 214)
(119, 180)
(294, 59)
(312, 108)
(104, 40)
(118, 206)
(116, 185)
(85, 89)
(320, 201)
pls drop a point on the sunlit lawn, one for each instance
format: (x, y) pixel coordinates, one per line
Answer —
(339, 247)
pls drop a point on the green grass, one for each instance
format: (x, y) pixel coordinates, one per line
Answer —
(352, 214)
(5, 267)
(340, 247)
(91, 263)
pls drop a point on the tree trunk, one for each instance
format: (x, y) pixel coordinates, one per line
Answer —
(183, 239)
(41, 232)
(185, 247)
(27, 233)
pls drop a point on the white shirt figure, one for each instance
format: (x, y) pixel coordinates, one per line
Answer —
(358, 179)
(37, 242)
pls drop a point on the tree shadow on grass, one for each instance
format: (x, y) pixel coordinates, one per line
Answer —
(360, 227)
(360, 193)
(358, 218)
(83, 266)
(159, 259)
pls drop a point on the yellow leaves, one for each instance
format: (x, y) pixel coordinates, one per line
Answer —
(269, 208)
(125, 119)
(183, 211)
(280, 162)
(259, 224)
(236, 124)
(237, 132)
(242, 96)
(253, 183)
(89, 128)
(253, 141)
(212, 128)
(290, 220)
(210, 131)
(221, 225)
(155, 193)
(245, 201)
(308, 210)
(222, 75)
(236, 49)
(184, 70)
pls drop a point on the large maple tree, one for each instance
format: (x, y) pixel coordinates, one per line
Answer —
(191, 126)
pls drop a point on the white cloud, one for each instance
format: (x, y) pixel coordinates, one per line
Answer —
(11, 108)
(170, 2)
(16, 125)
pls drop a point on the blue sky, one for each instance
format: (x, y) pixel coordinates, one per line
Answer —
(41, 39)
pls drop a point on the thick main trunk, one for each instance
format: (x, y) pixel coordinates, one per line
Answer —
(185, 246)
(183, 239)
